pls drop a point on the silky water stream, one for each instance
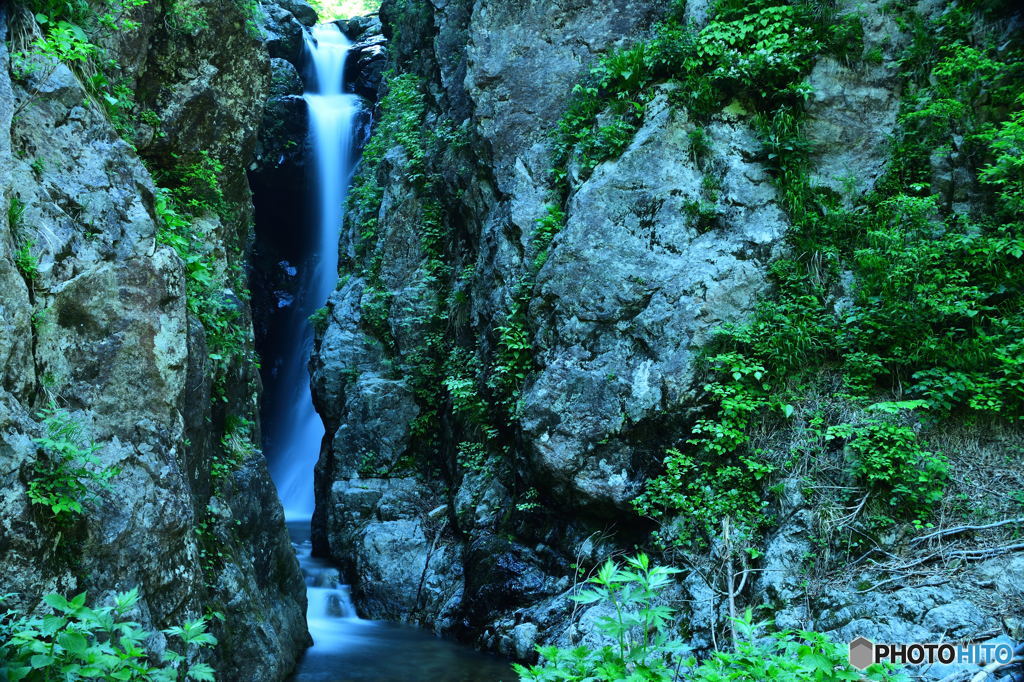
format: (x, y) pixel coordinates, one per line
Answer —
(346, 647)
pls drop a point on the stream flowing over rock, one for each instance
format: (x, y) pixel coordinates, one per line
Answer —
(634, 287)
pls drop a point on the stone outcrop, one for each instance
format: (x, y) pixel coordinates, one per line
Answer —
(102, 329)
(661, 246)
(633, 286)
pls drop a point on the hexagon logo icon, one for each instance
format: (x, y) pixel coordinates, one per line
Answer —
(862, 653)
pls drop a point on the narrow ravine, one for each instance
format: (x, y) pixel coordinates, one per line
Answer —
(346, 647)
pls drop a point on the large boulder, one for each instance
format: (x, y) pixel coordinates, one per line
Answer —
(650, 263)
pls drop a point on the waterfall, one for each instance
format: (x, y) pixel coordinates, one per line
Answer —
(295, 432)
(346, 647)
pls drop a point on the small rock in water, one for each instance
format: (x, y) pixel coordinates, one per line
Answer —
(328, 578)
(337, 607)
(284, 299)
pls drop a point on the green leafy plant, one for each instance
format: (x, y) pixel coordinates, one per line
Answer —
(714, 478)
(645, 644)
(797, 656)
(76, 641)
(550, 224)
(514, 355)
(889, 460)
(236, 446)
(319, 319)
(65, 35)
(68, 473)
(26, 262)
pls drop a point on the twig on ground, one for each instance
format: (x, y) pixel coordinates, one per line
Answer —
(964, 529)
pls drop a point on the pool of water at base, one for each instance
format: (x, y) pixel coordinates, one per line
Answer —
(347, 648)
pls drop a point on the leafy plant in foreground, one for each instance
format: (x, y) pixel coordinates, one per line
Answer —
(646, 645)
(77, 641)
(648, 648)
(790, 656)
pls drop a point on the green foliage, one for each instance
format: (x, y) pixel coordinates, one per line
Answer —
(793, 656)
(461, 381)
(399, 122)
(26, 262)
(66, 30)
(472, 456)
(67, 474)
(513, 353)
(647, 645)
(715, 479)
(373, 308)
(547, 227)
(704, 214)
(319, 319)
(331, 10)
(253, 12)
(936, 297)
(187, 17)
(236, 446)
(1006, 172)
(214, 552)
(194, 183)
(15, 211)
(757, 52)
(197, 193)
(889, 460)
(76, 641)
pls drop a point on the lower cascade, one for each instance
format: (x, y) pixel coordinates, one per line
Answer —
(347, 647)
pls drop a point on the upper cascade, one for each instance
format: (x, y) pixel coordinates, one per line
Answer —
(296, 430)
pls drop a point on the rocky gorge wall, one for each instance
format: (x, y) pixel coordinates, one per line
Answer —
(514, 345)
(146, 355)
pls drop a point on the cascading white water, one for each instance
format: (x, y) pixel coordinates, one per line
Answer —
(332, 113)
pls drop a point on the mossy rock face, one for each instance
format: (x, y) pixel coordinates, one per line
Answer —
(596, 273)
(106, 328)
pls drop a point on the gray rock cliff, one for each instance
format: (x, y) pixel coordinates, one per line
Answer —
(102, 329)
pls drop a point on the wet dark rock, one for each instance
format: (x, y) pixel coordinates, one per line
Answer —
(358, 29)
(365, 66)
(500, 574)
(301, 10)
(284, 33)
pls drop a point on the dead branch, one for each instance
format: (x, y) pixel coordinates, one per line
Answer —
(994, 666)
(964, 529)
